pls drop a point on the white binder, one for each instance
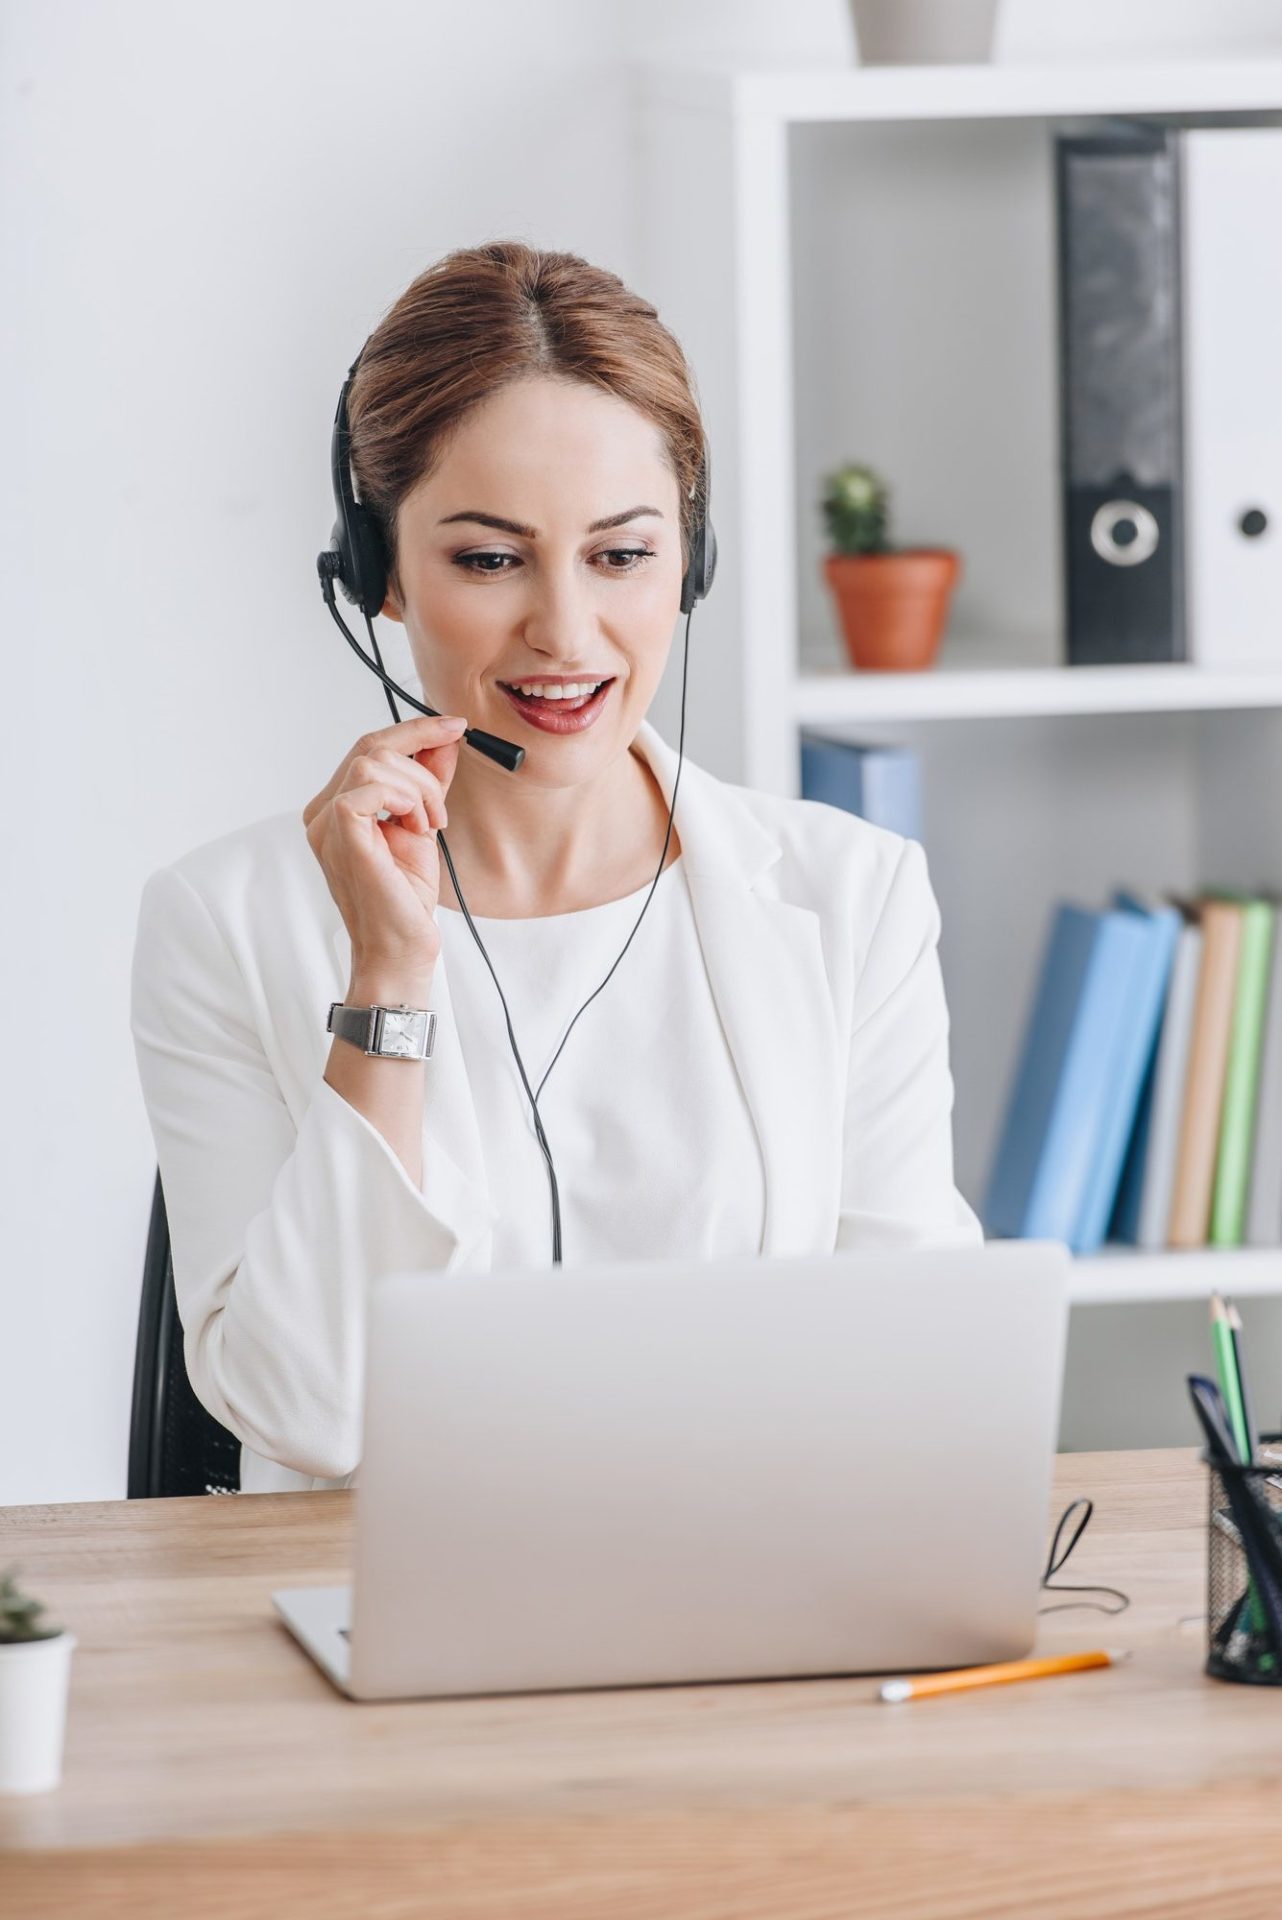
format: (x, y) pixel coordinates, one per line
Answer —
(1232, 457)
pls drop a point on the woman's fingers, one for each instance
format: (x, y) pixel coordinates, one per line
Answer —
(397, 766)
(426, 729)
(429, 732)
(367, 800)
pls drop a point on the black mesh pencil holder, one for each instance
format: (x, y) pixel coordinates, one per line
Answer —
(1241, 1644)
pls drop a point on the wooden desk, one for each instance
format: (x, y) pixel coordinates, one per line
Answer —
(211, 1770)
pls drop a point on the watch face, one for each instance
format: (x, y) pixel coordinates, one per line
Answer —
(403, 1033)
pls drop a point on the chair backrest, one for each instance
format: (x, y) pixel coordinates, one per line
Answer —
(175, 1444)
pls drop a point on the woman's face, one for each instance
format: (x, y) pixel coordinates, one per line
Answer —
(510, 577)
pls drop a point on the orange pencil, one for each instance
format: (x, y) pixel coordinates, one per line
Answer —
(998, 1675)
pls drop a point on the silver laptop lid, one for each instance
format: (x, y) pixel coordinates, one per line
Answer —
(649, 1471)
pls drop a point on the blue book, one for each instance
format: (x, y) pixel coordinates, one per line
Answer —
(880, 784)
(1125, 1224)
(1137, 1167)
(1045, 1168)
(1132, 1065)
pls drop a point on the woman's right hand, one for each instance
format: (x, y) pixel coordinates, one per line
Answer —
(385, 874)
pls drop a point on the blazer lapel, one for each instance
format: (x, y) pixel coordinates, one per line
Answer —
(766, 967)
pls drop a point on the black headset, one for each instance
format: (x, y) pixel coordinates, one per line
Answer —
(358, 559)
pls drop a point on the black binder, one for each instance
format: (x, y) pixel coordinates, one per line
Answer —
(1118, 211)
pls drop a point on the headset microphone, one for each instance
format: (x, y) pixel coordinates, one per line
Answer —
(357, 559)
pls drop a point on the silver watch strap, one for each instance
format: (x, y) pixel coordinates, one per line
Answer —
(389, 1032)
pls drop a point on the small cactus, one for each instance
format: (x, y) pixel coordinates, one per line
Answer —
(854, 503)
(18, 1613)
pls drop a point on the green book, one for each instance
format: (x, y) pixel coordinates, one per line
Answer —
(1242, 1077)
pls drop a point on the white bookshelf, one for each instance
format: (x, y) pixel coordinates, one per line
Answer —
(1121, 1275)
(860, 264)
(985, 688)
(1064, 90)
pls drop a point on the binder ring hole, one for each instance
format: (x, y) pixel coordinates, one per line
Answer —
(1124, 533)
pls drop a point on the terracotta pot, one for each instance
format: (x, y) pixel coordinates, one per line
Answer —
(893, 606)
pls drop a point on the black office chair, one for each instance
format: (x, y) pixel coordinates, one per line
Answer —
(175, 1444)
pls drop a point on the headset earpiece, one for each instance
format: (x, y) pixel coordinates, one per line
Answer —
(697, 578)
(358, 558)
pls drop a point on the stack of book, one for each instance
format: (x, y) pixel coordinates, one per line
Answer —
(1147, 1103)
(881, 783)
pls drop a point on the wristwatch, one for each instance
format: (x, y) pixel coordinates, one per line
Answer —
(394, 1033)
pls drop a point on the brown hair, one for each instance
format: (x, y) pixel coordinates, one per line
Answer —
(484, 316)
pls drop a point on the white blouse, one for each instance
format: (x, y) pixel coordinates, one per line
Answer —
(653, 1143)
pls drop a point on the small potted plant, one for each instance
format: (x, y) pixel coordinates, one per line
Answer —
(893, 601)
(35, 1671)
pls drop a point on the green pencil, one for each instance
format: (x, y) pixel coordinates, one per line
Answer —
(1235, 1330)
(1230, 1385)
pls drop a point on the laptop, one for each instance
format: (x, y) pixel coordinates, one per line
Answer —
(682, 1471)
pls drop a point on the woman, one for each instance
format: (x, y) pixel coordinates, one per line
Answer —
(767, 1069)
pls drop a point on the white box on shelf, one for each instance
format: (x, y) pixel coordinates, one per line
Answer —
(1232, 310)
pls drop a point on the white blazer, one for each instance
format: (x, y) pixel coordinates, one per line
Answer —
(820, 937)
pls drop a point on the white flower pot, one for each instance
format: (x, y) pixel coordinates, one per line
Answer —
(922, 32)
(35, 1677)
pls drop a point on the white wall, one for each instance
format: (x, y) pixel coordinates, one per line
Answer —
(202, 212)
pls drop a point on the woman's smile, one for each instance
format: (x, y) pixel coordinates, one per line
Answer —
(558, 706)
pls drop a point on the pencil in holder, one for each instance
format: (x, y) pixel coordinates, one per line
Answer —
(1243, 1562)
